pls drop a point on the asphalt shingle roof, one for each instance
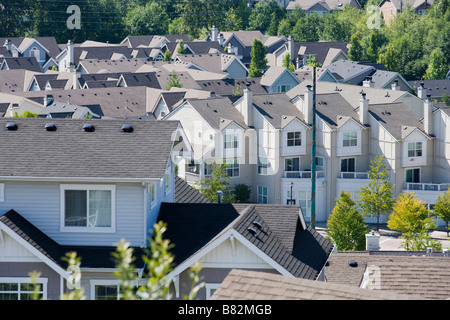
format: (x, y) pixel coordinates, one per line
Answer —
(69, 152)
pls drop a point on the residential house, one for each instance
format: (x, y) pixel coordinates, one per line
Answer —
(83, 196)
(215, 62)
(390, 8)
(246, 236)
(278, 79)
(44, 49)
(152, 40)
(15, 80)
(193, 47)
(307, 73)
(435, 88)
(26, 63)
(229, 87)
(321, 7)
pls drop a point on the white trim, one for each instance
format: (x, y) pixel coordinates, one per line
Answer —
(76, 179)
(102, 282)
(63, 273)
(87, 187)
(42, 281)
(2, 192)
(209, 287)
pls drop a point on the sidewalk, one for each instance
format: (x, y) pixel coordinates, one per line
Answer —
(390, 240)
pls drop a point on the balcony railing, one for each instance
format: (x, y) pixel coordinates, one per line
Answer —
(302, 174)
(353, 175)
(427, 186)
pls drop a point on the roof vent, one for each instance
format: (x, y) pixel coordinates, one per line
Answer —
(252, 231)
(258, 224)
(88, 127)
(50, 127)
(126, 128)
(11, 126)
(353, 263)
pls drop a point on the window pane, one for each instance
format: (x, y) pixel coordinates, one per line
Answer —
(106, 292)
(75, 207)
(100, 208)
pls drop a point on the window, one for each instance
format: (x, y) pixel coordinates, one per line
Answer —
(414, 149)
(319, 162)
(350, 139)
(2, 192)
(207, 169)
(294, 139)
(35, 53)
(263, 165)
(88, 206)
(210, 288)
(413, 175)
(292, 167)
(284, 88)
(152, 192)
(348, 165)
(231, 141)
(232, 167)
(21, 288)
(262, 195)
(104, 290)
(304, 200)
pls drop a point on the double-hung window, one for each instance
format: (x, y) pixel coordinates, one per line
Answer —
(22, 288)
(262, 195)
(294, 139)
(263, 165)
(414, 149)
(232, 167)
(231, 141)
(88, 207)
(350, 139)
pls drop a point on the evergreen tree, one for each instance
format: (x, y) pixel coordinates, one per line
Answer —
(287, 62)
(167, 55)
(258, 62)
(437, 69)
(355, 52)
(174, 81)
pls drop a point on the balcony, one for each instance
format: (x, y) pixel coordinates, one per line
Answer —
(427, 186)
(353, 175)
(302, 174)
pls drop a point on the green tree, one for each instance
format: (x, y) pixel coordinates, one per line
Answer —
(218, 180)
(174, 81)
(437, 69)
(147, 19)
(346, 227)
(376, 196)
(442, 208)
(263, 14)
(410, 217)
(181, 49)
(242, 192)
(287, 62)
(355, 52)
(26, 114)
(167, 55)
(258, 63)
(312, 62)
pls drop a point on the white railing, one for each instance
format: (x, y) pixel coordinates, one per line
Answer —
(302, 174)
(427, 186)
(353, 175)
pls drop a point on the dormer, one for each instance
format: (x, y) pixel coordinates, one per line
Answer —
(349, 133)
(414, 147)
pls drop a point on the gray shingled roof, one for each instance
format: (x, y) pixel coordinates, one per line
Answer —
(185, 193)
(26, 63)
(69, 152)
(301, 252)
(257, 285)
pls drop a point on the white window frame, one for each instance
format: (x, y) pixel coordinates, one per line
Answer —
(234, 162)
(34, 52)
(258, 194)
(64, 187)
(286, 88)
(19, 280)
(210, 288)
(103, 282)
(415, 149)
(351, 139)
(263, 166)
(293, 139)
(420, 174)
(233, 143)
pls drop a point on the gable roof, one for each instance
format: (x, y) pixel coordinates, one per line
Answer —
(52, 253)
(27, 63)
(282, 239)
(272, 74)
(404, 272)
(185, 193)
(223, 87)
(257, 285)
(71, 153)
(350, 72)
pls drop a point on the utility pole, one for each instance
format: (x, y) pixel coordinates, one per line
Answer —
(313, 156)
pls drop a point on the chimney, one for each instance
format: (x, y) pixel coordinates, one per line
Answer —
(8, 45)
(291, 47)
(372, 241)
(221, 39)
(48, 99)
(422, 91)
(232, 49)
(214, 33)
(70, 53)
(219, 196)
(395, 86)
(428, 106)
(363, 111)
(445, 252)
(308, 104)
(368, 83)
(297, 63)
(247, 108)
